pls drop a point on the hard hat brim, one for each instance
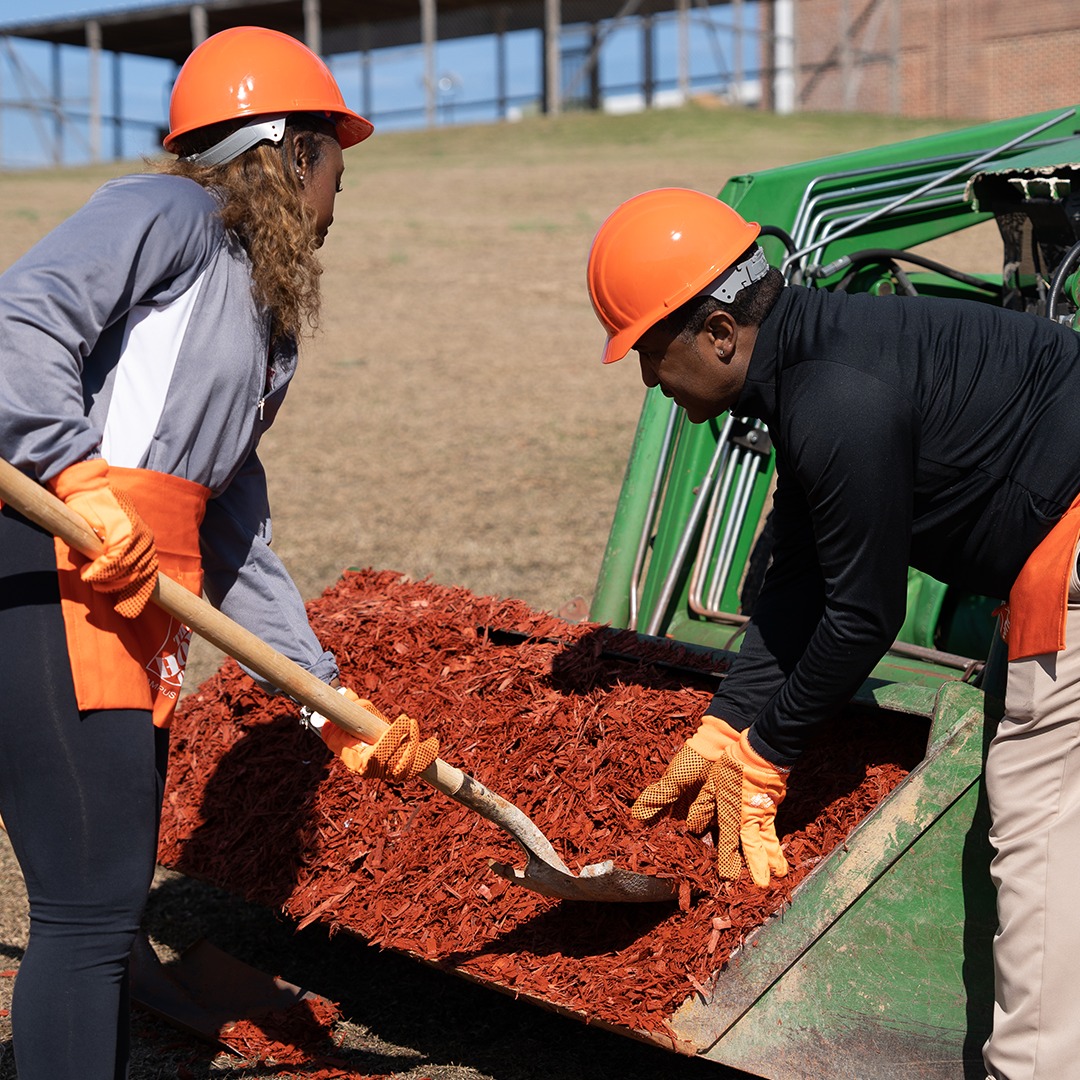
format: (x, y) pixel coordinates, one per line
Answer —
(352, 128)
(616, 348)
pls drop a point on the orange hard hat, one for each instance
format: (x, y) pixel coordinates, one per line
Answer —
(655, 252)
(250, 71)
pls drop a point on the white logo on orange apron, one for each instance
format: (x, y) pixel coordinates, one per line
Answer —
(167, 667)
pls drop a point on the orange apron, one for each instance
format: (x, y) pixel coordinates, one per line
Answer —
(1033, 621)
(120, 663)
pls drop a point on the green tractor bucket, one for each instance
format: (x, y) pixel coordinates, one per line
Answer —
(881, 965)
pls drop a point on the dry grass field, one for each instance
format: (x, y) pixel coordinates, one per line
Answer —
(451, 420)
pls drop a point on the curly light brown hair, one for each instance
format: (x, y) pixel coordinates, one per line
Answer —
(263, 206)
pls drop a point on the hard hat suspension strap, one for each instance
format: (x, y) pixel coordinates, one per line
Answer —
(255, 131)
(737, 276)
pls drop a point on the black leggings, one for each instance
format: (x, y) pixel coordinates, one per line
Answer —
(80, 794)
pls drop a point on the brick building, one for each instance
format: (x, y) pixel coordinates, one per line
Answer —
(977, 59)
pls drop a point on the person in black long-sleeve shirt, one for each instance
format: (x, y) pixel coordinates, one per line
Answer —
(909, 431)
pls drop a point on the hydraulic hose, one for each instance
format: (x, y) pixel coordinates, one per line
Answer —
(781, 234)
(1058, 280)
(858, 258)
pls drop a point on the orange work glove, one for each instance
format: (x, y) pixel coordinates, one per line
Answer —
(686, 772)
(398, 754)
(128, 566)
(741, 794)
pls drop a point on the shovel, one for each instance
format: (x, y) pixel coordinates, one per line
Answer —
(544, 871)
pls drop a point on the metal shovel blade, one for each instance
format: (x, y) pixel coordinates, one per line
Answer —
(601, 882)
(545, 872)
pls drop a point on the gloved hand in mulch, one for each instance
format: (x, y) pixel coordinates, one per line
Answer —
(718, 778)
(742, 793)
(398, 754)
(678, 789)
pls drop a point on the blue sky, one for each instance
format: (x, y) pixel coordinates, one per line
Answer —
(465, 70)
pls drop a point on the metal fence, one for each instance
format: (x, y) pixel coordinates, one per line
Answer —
(69, 105)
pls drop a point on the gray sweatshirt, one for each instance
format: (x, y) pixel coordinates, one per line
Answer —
(130, 331)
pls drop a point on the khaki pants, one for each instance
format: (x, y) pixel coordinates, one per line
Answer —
(1033, 784)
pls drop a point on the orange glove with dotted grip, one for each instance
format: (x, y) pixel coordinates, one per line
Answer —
(741, 793)
(681, 783)
(398, 754)
(127, 568)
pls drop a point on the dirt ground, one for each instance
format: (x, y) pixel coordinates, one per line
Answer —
(450, 420)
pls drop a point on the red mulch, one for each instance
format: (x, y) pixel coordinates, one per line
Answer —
(299, 1035)
(567, 721)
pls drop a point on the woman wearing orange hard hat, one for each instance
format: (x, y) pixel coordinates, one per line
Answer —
(148, 342)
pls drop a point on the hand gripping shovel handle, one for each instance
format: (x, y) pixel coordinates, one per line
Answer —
(43, 508)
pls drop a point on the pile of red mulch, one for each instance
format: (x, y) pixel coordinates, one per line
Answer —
(569, 722)
(299, 1035)
(298, 1040)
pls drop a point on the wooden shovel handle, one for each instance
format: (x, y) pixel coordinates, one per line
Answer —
(43, 508)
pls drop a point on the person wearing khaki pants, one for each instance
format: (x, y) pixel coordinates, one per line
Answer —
(1033, 784)
(910, 431)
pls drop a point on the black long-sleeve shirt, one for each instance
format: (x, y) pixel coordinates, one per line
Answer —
(909, 431)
